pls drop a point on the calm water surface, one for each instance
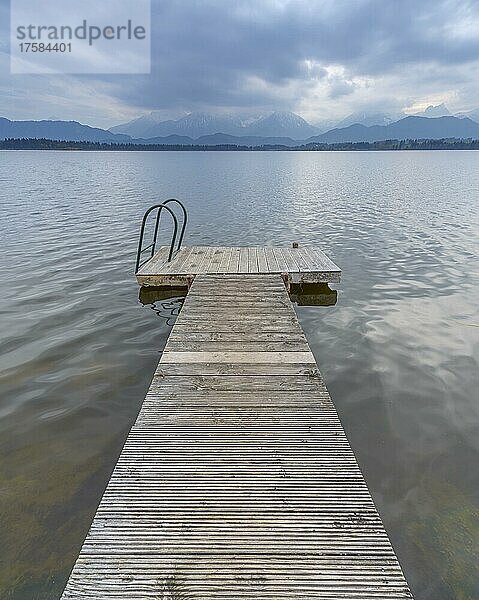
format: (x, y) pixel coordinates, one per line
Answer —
(399, 351)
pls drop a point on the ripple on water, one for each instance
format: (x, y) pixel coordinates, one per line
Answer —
(399, 351)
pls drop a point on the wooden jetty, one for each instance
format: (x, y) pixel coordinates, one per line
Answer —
(237, 480)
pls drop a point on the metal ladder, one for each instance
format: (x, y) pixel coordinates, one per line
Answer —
(174, 246)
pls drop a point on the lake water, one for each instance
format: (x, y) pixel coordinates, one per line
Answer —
(399, 351)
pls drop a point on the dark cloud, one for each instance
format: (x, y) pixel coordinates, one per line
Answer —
(205, 52)
(275, 53)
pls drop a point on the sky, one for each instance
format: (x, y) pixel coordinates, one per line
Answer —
(322, 59)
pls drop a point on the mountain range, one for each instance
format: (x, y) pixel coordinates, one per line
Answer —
(276, 124)
(57, 130)
(278, 128)
(407, 128)
(195, 125)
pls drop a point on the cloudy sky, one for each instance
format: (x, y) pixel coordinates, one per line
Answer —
(322, 59)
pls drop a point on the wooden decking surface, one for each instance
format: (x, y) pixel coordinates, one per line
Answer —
(303, 265)
(237, 480)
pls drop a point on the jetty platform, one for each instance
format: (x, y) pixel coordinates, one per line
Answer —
(237, 480)
(297, 265)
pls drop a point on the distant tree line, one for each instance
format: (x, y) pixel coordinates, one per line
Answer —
(410, 144)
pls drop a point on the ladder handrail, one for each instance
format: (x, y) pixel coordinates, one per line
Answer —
(185, 219)
(142, 249)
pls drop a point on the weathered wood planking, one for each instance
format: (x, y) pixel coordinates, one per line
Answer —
(303, 265)
(237, 480)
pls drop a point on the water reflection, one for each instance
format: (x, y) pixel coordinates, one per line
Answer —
(313, 294)
(166, 302)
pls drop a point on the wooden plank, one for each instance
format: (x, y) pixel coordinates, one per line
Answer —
(238, 358)
(280, 260)
(209, 256)
(216, 260)
(266, 370)
(290, 265)
(241, 316)
(232, 326)
(244, 304)
(243, 260)
(262, 262)
(232, 289)
(177, 336)
(234, 260)
(237, 480)
(273, 266)
(156, 262)
(196, 260)
(258, 277)
(251, 346)
(303, 259)
(252, 260)
(239, 384)
(203, 257)
(248, 304)
(181, 261)
(319, 260)
(225, 261)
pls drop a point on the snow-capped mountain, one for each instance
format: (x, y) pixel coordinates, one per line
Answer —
(281, 124)
(368, 119)
(195, 125)
(139, 127)
(440, 110)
